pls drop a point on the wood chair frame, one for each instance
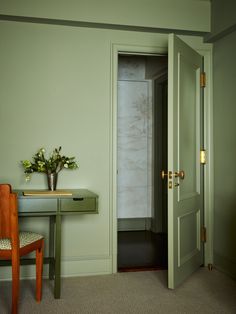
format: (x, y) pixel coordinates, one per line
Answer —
(9, 229)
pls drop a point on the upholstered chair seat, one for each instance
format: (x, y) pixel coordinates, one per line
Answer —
(25, 238)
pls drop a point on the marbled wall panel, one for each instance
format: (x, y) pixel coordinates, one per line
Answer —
(132, 165)
(132, 202)
(132, 68)
(132, 108)
(134, 140)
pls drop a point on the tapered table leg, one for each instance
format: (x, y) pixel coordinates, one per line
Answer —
(51, 247)
(57, 281)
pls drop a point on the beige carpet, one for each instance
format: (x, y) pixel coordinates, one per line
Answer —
(138, 292)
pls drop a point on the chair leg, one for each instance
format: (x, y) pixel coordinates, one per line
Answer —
(15, 284)
(39, 271)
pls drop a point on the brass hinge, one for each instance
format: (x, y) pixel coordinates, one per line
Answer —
(203, 234)
(203, 79)
(203, 156)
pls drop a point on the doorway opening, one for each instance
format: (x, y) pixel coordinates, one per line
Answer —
(141, 156)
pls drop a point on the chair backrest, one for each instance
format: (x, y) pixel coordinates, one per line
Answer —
(8, 213)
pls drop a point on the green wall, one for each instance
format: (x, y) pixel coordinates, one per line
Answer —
(224, 153)
(223, 16)
(224, 95)
(55, 89)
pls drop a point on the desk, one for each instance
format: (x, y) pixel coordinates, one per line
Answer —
(55, 206)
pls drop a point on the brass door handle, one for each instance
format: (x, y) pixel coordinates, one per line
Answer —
(168, 174)
(180, 174)
(163, 174)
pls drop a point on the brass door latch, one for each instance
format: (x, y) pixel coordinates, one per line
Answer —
(168, 174)
(180, 174)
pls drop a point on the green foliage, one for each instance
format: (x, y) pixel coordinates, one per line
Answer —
(55, 163)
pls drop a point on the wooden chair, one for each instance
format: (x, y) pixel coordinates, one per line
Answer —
(14, 244)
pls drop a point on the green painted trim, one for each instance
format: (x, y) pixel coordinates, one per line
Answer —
(209, 167)
(71, 23)
(70, 267)
(134, 224)
(115, 49)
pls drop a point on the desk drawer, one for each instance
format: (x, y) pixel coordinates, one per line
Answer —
(37, 205)
(79, 205)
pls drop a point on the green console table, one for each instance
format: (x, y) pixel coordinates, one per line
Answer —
(36, 203)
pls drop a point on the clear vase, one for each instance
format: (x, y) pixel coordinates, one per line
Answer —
(52, 181)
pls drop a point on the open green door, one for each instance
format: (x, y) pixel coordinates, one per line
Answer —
(185, 179)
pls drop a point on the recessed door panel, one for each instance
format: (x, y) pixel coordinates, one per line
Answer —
(188, 246)
(188, 126)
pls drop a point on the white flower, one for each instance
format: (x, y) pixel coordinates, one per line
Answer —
(27, 177)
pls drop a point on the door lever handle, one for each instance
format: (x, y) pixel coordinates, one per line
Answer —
(180, 174)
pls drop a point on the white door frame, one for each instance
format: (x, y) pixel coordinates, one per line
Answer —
(206, 51)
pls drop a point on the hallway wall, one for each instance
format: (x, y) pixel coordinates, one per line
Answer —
(134, 139)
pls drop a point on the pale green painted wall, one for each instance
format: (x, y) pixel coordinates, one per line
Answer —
(55, 89)
(181, 14)
(225, 153)
(224, 95)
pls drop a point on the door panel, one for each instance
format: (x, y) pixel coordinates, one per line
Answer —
(188, 246)
(188, 126)
(185, 197)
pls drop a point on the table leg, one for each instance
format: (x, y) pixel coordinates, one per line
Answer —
(51, 247)
(57, 281)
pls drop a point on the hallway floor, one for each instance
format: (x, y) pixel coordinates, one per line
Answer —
(141, 250)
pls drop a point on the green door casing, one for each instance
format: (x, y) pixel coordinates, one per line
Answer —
(185, 173)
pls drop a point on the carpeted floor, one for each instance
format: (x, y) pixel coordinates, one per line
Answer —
(124, 293)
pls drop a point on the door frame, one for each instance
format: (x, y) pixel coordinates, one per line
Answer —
(206, 51)
(160, 227)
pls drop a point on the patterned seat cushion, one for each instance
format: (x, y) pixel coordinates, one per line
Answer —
(25, 238)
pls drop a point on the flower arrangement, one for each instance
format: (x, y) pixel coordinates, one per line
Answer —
(54, 164)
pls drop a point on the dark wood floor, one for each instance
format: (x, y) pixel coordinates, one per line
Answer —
(141, 250)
